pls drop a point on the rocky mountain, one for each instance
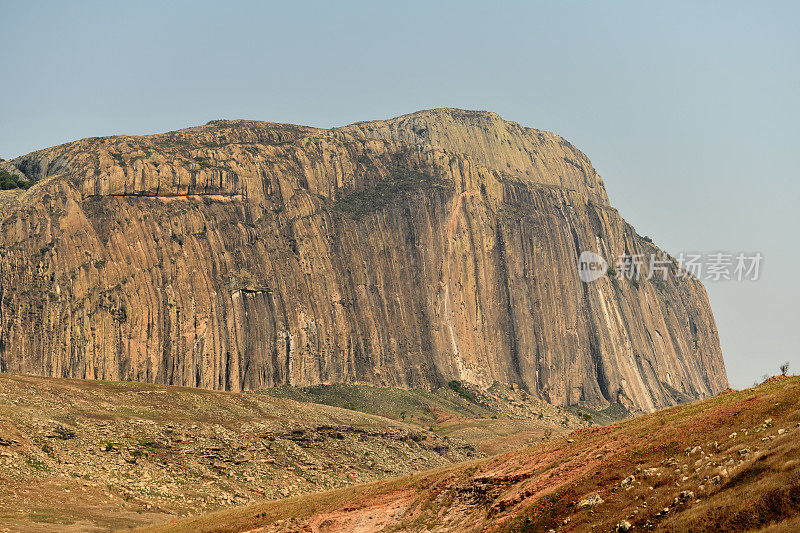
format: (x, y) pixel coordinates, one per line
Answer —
(408, 252)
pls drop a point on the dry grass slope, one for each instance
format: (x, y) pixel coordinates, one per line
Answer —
(498, 419)
(93, 456)
(729, 463)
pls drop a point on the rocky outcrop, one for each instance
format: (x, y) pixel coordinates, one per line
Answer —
(436, 246)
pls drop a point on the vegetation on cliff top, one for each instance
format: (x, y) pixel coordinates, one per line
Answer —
(399, 185)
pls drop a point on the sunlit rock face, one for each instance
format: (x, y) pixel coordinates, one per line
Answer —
(408, 252)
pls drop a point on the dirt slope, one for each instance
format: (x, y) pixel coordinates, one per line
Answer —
(730, 463)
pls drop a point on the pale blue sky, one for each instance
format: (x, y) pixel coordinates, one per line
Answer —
(689, 110)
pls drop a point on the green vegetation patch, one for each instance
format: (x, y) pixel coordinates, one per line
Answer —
(459, 389)
(36, 464)
(417, 406)
(10, 181)
(398, 186)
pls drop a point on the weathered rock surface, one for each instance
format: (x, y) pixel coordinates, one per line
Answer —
(435, 246)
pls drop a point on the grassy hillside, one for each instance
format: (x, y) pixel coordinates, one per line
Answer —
(90, 455)
(422, 407)
(93, 455)
(496, 420)
(730, 463)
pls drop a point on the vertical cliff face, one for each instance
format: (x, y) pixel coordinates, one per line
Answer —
(440, 245)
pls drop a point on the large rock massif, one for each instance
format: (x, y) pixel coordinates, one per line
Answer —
(408, 252)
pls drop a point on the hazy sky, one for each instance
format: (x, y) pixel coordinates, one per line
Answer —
(691, 113)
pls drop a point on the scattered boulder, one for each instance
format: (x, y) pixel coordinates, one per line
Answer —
(590, 501)
(663, 512)
(63, 432)
(683, 497)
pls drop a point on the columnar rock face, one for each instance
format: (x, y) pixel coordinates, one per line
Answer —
(435, 246)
